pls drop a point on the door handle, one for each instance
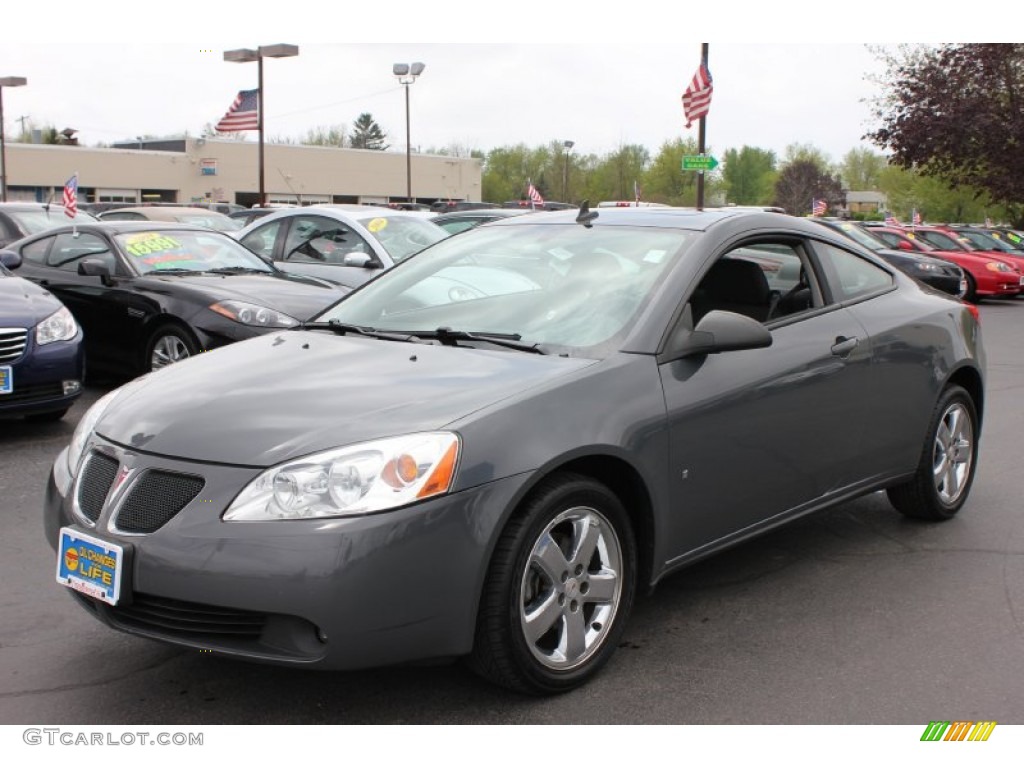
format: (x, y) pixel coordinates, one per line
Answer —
(844, 345)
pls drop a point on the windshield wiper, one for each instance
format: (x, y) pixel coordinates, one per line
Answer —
(450, 337)
(342, 329)
(173, 271)
(237, 270)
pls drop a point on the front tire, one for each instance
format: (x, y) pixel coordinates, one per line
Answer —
(559, 589)
(169, 344)
(946, 470)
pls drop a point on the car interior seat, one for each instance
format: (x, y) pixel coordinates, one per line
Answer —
(733, 285)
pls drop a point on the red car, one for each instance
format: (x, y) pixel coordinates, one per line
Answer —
(987, 275)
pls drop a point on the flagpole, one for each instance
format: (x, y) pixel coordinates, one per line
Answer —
(701, 135)
(259, 119)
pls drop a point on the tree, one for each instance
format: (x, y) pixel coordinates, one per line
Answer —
(956, 112)
(666, 182)
(366, 134)
(327, 136)
(861, 169)
(749, 175)
(802, 181)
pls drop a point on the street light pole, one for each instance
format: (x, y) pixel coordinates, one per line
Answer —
(407, 74)
(565, 180)
(243, 55)
(5, 82)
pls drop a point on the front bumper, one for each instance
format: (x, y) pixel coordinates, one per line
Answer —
(343, 593)
(39, 377)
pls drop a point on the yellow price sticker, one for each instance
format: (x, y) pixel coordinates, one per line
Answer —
(376, 225)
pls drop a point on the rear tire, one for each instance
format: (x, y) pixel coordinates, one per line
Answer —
(944, 475)
(559, 589)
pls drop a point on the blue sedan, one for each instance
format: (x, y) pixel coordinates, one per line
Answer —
(41, 355)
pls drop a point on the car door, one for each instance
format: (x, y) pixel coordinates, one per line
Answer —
(758, 433)
(327, 248)
(110, 315)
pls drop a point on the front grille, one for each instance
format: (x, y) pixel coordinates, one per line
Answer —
(12, 343)
(155, 498)
(189, 620)
(97, 477)
(32, 393)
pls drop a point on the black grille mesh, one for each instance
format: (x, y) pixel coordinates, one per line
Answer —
(97, 477)
(188, 619)
(156, 498)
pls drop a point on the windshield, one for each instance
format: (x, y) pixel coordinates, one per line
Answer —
(945, 242)
(42, 220)
(176, 250)
(216, 221)
(570, 287)
(402, 236)
(988, 243)
(857, 234)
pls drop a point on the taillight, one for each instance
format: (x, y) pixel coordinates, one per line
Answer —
(974, 312)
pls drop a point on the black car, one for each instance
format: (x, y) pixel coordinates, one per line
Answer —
(18, 220)
(149, 293)
(938, 273)
(460, 221)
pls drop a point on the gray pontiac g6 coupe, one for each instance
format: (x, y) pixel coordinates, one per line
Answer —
(488, 451)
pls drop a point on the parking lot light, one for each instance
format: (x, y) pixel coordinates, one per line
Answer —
(5, 82)
(407, 74)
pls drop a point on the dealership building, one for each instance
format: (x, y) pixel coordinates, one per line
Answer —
(209, 169)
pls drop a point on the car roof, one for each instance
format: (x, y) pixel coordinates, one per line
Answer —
(164, 213)
(669, 217)
(119, 227)
(481, 213)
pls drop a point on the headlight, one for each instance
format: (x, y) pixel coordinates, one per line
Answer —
(60, 326)
(355, 480)
(998, 266)
(88, 423)
(253, 314)
(926, 267)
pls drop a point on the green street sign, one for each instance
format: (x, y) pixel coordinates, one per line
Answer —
(699, 163)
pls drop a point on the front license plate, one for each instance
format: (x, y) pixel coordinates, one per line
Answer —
(89, 565)
(6, 380)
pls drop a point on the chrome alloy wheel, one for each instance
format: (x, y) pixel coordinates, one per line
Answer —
(953, 453)
(168, 349)
(571, 588)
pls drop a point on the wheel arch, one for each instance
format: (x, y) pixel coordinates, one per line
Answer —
(155, 323)
(970, 379)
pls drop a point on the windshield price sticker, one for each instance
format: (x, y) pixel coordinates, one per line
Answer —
(151, 242)
(376, 225)
(89, 565)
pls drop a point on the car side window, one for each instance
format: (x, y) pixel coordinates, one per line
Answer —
(764, 281)
(320, 240)
(36, 250)
(850, 276)
(69, 250)
(261, 240)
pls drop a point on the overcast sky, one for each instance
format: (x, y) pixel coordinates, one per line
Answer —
(599, 76)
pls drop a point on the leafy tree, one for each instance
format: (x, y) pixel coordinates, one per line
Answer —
(861, 168)
(802, 181)
(366, 134)
(666, 182)
(797, 152)
(615, 175)
(956, 112)
(327, 136)
(935, 200)
(749, 175)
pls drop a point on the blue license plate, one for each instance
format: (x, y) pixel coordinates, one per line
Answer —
(6, 380)
(89, 565)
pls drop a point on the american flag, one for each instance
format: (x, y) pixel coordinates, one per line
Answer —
(915, 218)
(891, 221)
(71, 196)
(534, 195)
(697, 97)
(819, 207)
(244, 113)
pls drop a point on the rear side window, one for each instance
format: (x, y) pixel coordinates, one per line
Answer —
(849, 275)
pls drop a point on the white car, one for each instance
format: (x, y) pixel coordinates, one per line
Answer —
(345, 244)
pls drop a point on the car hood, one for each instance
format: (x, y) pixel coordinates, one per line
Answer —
(23, 303)
(292, 393)
(299, 297)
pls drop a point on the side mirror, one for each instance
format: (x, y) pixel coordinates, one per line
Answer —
(363, 260)
(720, 331)
(903, 245)
(95, 268)
(10, 259)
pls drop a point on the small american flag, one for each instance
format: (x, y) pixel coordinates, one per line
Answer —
(915, 218)
(533, 194)
(819, 207)
(697, 97)
(244, 113)
(891, 221)
(71, 196)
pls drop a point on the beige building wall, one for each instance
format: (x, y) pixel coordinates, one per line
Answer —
(290, 172)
